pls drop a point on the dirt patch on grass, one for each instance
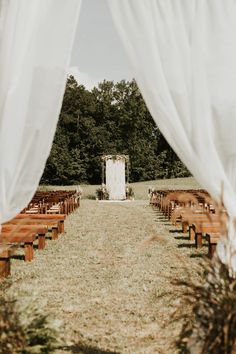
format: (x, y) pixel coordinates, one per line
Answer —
(107, 279)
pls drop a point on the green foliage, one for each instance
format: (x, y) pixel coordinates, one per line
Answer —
(25, 332)
(129, 192)
(12, 335)
(212, 327)
(111, 119)
(102, 193)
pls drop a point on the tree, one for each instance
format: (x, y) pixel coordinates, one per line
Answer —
(110, 119)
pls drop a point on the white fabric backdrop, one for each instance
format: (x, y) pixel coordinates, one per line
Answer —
(36, 39)
(115, 178)
(184, 57)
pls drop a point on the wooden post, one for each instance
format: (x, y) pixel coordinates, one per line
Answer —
(5, 267)
(29, 251)
(191, 233)
(41, 241)
(54, 233)
(198, 240)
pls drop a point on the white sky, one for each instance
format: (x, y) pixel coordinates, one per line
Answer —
(98, 53)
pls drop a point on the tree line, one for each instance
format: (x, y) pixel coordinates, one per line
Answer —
(110, 119)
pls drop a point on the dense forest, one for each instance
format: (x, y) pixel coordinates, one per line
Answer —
(110, 119)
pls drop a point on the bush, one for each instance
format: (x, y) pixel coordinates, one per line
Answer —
(212, 327)
(129, 192)
(25, 331)
(102, 193)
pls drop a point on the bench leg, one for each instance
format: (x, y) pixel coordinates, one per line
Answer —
(184, 227)
(191, 233)
(198, 240)
(41, 242)
(61, 223)
(54, 233)
(29, 251)
(211, 249)
(5, 267)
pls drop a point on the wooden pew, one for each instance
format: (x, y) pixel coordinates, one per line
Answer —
(62, 202)
(6, 252)
(24, 237)
(189, 219)
(60, 218)
(212, 239)
(40, 230)
(205, 228)
(52, 225)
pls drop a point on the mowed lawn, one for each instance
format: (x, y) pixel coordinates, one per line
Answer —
(140, 188)
(107, 279)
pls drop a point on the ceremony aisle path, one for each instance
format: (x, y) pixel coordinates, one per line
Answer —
(106, 279)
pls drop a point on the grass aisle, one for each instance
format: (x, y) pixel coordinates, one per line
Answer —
(103, 278)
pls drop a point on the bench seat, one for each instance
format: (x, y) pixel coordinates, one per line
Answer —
(26, 238)
(6, 252)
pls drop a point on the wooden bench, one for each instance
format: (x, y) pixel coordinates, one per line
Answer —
(212, 239)
(6, 252)
(21, 238)
(24, 237)
(51, 202)
(205, 228)
(40, 230)
(60, 218)
(189, 219)
(51, 225)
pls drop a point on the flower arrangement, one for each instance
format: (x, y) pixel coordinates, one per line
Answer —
(129, 192)
(102, 193)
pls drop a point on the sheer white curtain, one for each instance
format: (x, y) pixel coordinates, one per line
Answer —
(36, 39)
(183, 53)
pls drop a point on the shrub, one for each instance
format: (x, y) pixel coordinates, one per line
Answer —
(102, 193)
(212, 327)
(129, 192)
(25, 331)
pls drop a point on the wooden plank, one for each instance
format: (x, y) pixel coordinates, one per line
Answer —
(50, 217)
(6, 251)
(27, 238)
(203, 228)
(52, 224)
(212, 239)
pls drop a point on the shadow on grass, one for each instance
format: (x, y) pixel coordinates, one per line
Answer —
(176, 231)
(184, 238)
(188, 245)
(160, 217)
(87, 349)
(160, 220)
(199, 255)
(18, 256)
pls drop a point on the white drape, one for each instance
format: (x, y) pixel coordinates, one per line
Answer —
(184, 57)
(115, 178)
(36, 39)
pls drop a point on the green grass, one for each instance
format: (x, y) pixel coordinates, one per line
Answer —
(140, 188)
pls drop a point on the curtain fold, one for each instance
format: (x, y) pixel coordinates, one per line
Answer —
(36, 39)
(183, 53)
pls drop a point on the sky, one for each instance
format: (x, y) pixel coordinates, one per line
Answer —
(98, 52)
